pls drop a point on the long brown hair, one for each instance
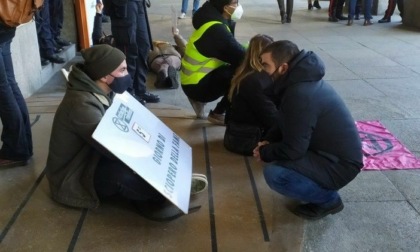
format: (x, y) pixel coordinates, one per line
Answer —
(251, 61)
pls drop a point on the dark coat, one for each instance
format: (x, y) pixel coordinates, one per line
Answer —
(217, 41)
(73, 153)
(6, 33)
(313, 118)
(251, 105)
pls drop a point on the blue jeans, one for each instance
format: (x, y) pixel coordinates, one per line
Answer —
(367, 9)
(16, 134)
(185, 6)
(294, 185)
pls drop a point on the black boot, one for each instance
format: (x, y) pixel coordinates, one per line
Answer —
(385, 20)
(316, 4)
(310, 7)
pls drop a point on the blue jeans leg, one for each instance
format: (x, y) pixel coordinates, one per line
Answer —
(294, 185)
(16, 134)
(196, 5)
(184, 7)
(367, 9)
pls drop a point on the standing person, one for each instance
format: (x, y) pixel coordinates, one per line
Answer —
(129, 26)
(83, 173)
(354, 11)
(316, 150)
(335, 10)
(47, 46)
(390, 10)
(367, 9)
(316, 5)
(211, 57)
(56, 21)
(285, 13)
(252, 113)
(16, 133)
(184, 8)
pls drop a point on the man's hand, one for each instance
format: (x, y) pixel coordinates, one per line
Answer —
(175, 31)
(256, 151)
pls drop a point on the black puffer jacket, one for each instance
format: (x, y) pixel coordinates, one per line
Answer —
(313, 116)
(251, 105)
(217, 42)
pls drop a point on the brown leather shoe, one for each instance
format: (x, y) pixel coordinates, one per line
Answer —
(367, 22)
(6, 163)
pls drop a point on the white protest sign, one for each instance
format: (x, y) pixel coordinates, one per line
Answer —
(151, 149)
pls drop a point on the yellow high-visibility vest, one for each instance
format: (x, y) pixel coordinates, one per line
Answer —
(194, 65)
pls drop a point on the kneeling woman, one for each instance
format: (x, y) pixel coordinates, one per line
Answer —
(252, 112)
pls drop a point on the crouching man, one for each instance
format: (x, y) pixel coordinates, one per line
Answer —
(80, 172)
(316, 149)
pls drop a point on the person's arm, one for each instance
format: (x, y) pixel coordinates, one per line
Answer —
(180, 42)
(218, 42)
(299, 122)
(97, 25)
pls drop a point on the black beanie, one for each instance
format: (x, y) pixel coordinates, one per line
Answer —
(101, 60)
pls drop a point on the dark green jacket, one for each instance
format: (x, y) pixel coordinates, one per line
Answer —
(73, 154)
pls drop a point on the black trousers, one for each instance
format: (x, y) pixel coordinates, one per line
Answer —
(391, 8)
(213, 86)
(113, 178)
(129, 28)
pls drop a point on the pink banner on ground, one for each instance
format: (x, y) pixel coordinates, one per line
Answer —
(381, 150)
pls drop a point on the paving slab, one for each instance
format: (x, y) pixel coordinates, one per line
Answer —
(367, 226)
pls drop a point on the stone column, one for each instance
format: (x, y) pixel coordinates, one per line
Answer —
(411, 10)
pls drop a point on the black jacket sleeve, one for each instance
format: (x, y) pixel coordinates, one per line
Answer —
(218, 42)
(300, 120)
(97, 29)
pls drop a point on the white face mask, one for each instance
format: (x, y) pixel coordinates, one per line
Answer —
(237, 13)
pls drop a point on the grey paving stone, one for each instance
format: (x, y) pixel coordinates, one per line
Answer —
(374, 108)
(370, 186)
(370, 226)
(355, 88)
(406, 181)
(406, 131)
(415, 204)
(338, 72)
(380, 72)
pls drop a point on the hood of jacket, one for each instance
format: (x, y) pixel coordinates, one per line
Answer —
(80, 81)
(304, 67)
(207, 13)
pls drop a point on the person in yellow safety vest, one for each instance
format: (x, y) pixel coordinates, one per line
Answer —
(211, 57)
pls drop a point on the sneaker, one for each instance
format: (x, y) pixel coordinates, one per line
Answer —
(160, 80)
(149, 97)
(161, 212)
(65, 73)
(172, 78)
(6, 163)
(218, 119)
(316, 5)
(182, 16)
(198, 183)
(198, 108)
(315, 212)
